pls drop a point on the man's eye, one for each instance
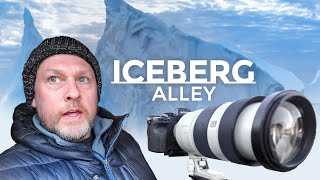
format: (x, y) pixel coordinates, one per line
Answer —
(54, 79)
(83, 79)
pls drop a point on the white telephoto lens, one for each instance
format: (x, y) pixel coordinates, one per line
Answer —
(242, 131)
(183, 132)
(213, 131)
(276, 131)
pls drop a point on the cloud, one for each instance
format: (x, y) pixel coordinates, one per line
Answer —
(11, 23)
(54, 16)
(89, 34)
(305, 51)
(5, 63)
(273, 7)
(159, 6)
(51, 18)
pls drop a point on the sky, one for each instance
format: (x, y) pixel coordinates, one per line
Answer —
(284, 33)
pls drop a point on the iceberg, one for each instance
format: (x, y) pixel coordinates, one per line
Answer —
(13, 93)
(31, 37)
(131, 34)
(285, 77)
(14, 86)
(311, 91)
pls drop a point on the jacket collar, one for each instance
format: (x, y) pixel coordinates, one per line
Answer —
(100, 126)
(25, 132)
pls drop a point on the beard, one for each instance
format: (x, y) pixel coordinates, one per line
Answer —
(74, 131)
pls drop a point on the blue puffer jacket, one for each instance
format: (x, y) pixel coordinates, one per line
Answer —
(38, 155)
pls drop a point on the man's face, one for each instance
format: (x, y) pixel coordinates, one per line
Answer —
(66, 96)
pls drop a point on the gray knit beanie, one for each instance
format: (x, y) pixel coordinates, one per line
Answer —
(50, 47)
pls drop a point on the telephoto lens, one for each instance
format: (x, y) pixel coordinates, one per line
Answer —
(275, 131)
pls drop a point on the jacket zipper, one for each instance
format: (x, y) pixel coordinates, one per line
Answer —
(115, 137)
(106, 161)
(106, 165)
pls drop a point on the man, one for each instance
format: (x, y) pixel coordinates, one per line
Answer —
(60, 131)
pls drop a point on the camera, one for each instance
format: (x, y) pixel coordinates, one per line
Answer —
(275, 131)
(160, 133)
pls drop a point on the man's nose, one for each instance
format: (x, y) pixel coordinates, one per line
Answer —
(72, 91)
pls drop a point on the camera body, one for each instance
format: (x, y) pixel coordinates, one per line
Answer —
(160, 133)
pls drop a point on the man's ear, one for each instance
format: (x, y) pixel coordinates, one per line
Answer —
(34, 104)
